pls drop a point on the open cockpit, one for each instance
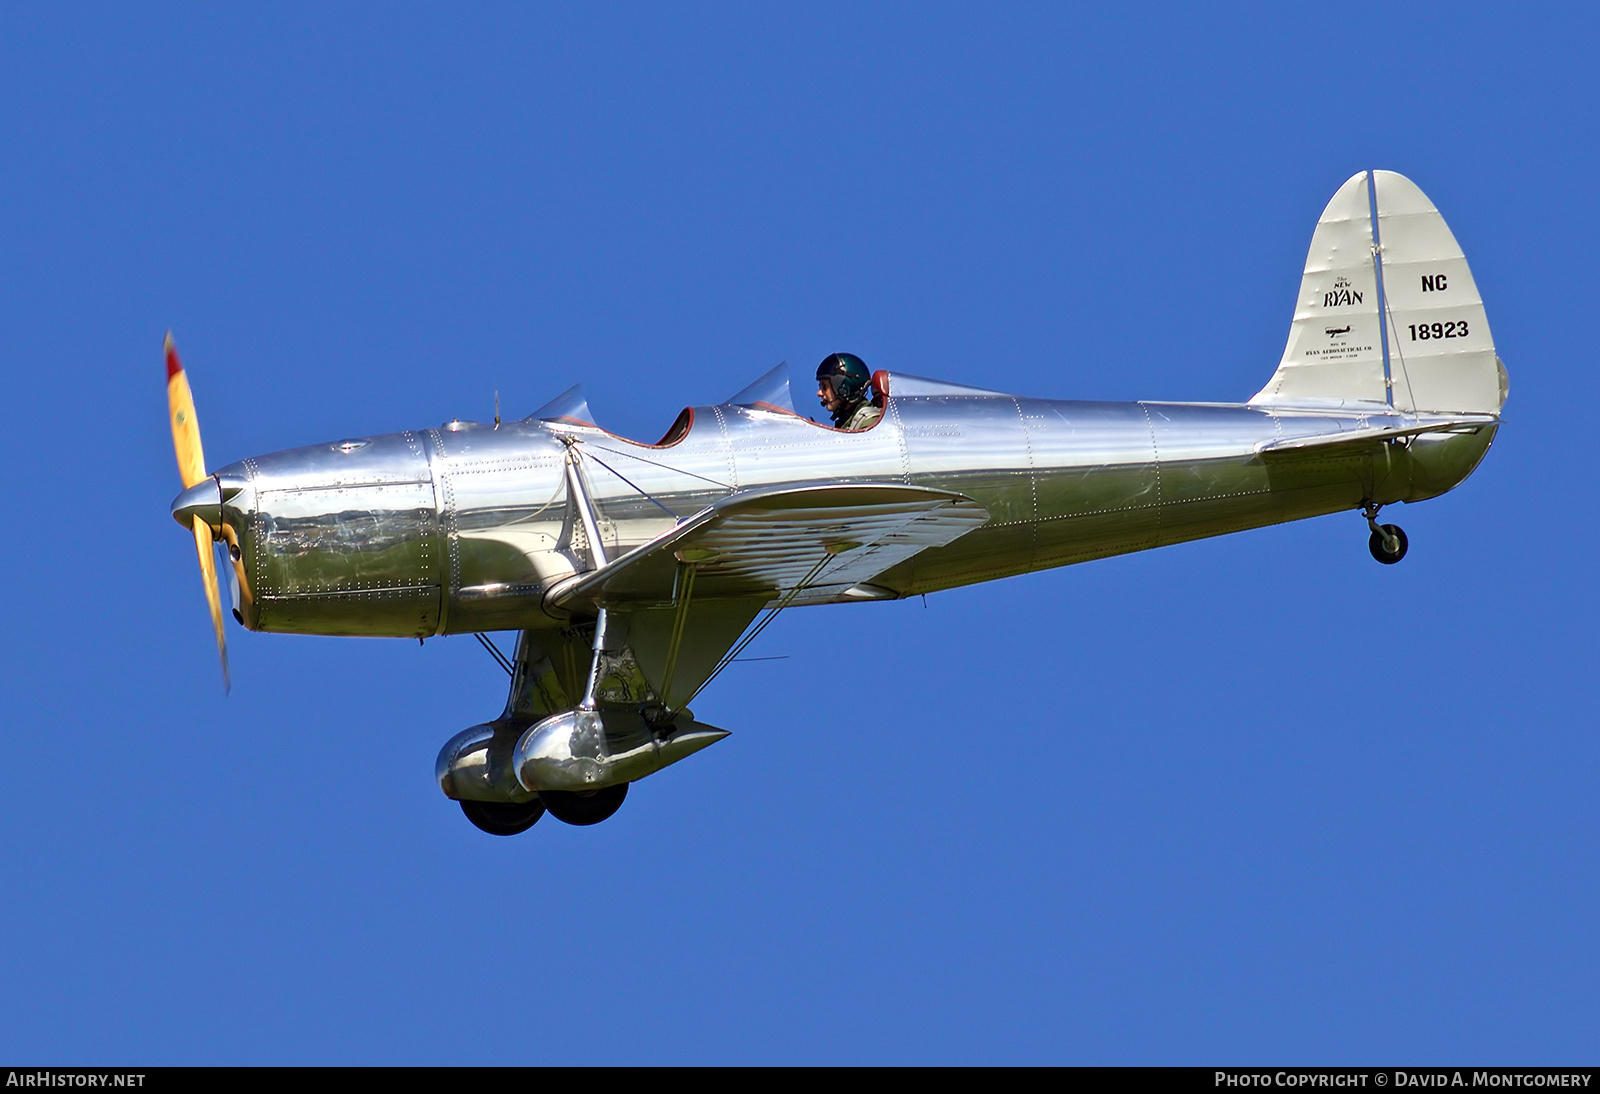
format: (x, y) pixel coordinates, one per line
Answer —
(769, 394)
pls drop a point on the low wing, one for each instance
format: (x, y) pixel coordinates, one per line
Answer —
(1352, 440)
(815, 542)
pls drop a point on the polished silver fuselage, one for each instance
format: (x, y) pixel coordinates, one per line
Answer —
(466, 528)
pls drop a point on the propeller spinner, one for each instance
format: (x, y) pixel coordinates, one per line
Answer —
(192, 470)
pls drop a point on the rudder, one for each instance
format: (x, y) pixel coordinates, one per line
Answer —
(1441, 355)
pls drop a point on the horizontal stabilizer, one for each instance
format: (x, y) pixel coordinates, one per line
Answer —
(1354, 439)
(770, 542)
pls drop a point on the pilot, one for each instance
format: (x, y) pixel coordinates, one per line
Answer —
(842, 383)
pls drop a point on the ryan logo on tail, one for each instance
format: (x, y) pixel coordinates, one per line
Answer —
(1342, 295)
(632, 574)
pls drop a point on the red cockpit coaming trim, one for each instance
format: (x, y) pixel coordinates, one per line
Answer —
(675, 433)
(678, 430)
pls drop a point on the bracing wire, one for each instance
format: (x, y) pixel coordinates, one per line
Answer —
(642, 491)
(1399, 352)
(733, 654)
(663, 466)
(494, 651)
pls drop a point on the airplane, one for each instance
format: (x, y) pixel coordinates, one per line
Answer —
(634, 573)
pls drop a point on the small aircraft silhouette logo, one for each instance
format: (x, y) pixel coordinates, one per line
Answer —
(1334, 332)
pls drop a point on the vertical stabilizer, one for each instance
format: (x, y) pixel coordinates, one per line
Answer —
(1441, 357)
(1335, 352)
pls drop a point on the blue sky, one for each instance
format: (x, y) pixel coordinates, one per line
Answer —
(1255, 799)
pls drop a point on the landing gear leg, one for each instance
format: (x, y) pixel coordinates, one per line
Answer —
(1387, 542)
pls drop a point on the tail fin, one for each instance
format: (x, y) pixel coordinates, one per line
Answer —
(1408, 281)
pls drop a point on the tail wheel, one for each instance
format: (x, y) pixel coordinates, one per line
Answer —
(1380, 542)
(584, 806)
(504, 818)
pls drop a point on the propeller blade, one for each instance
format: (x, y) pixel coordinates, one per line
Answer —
(192, 469)
(185, 427)
(208, 573)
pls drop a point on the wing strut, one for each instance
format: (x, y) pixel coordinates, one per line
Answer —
(682, 592)
(584, 504)
(578, 492)
(800, 586)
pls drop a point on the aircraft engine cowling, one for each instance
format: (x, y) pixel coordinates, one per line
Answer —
(340, 539)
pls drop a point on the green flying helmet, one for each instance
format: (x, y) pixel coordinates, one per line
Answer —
(847, 372)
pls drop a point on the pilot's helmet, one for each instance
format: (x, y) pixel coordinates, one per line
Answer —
(848, 373)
